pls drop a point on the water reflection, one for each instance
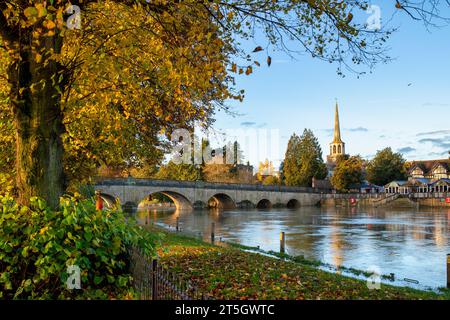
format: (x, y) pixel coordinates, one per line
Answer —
(411, 244)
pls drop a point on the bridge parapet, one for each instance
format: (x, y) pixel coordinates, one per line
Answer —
(201, 185)
(188, 194)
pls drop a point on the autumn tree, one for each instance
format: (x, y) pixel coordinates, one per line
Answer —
(103, 94)
(149, 64)
(265, 169)
(216, 165)
(385, 167)
(223, 165)
(348, 173)
(303, 160)
(179, 171)
(271, 180)
(6, 134)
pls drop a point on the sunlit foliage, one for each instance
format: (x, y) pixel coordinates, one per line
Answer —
(38, 244)
(348, 173)
(109, 91)
(303, 160)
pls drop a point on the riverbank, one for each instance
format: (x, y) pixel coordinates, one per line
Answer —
(378, 200)
(228, 272)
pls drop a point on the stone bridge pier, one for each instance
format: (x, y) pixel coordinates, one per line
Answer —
(198, 194)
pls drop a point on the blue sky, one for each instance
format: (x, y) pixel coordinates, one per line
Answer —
(377, 110)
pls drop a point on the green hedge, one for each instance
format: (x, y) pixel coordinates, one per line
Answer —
(37, 245)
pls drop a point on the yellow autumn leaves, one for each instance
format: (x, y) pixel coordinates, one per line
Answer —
(49, 16)
(141, 76)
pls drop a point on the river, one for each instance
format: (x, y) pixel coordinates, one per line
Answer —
(412, 244)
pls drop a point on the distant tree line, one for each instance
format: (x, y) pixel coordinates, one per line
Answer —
(302, 162)
(385, 167)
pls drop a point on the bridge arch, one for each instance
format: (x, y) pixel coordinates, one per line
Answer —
(246, 204)
(129, 207)
(181, 202)
(293, 204)
(108, 200)
(221, 201)
(264, 204)
(199, 204)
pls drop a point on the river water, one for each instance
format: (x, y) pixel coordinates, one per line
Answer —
(412, 244)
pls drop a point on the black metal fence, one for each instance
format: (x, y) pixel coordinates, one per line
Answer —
(152, 281)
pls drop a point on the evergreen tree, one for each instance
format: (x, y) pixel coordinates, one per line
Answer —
(303, 160)
(281, 169)
(290, 163)
(387, 166)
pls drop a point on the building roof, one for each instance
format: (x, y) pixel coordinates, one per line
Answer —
(423, 180)
(445, 180)
(419, 181)
(427, 165)
(397, 182)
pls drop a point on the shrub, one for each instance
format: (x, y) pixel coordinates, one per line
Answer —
(37, 245)
(86, 190)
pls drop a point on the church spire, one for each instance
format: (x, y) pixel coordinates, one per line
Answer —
(337, 147)
(337, 128)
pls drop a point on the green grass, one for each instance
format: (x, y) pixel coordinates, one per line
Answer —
(228, 272)
(310, 262)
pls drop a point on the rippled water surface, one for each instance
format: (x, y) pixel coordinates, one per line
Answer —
(411, 244)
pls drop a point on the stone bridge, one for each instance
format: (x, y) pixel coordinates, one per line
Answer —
(199, 194)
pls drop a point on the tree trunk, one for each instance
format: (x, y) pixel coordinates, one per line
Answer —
(39, 124)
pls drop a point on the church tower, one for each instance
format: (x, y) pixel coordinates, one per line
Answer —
(337, 147)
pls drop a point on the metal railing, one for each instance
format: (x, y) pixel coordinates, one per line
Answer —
(386, 199)
(414, 194)
(348, 196)
(431, 194)
(152, 281)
